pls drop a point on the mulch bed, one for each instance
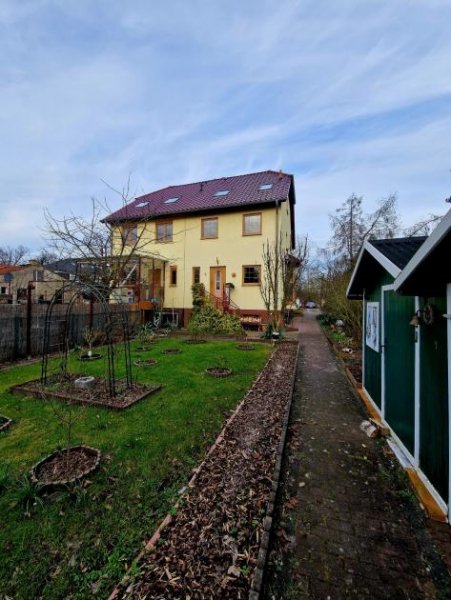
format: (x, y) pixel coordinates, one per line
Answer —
(62, 388)
(218, 372)
(195, 341)
(146, 362)
(171, 351)
(246, 347)
(65, 466)
(210, 548)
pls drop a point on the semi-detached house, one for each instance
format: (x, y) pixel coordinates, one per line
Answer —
(210, 232)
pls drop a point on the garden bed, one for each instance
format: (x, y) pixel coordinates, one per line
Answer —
(65, 466)
(63, 388)
(211, 544)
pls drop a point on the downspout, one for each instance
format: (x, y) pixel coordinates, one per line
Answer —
(276, 266)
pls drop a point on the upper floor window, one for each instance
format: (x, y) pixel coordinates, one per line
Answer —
(38, 275)
(164, 231)
(129, 233)
(209, 228)
(252, 224)
(251, 274)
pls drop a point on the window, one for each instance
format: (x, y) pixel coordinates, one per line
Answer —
(170, 200)
(196, 275)
(2, 290)
(38, 275)
(252, 224)
(251, 274)
(164, 231)
(209, 228)
(141, 204)
(265, 186)
(221, 193)
(173, 276)
(129, 234)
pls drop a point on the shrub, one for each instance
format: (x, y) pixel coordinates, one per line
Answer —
(210, 320)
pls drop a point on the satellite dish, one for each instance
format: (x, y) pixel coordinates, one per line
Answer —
(8, 277)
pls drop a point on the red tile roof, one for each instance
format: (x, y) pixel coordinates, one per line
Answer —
(243, 191)
(9, 269)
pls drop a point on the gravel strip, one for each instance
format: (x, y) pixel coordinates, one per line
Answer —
(209, 549)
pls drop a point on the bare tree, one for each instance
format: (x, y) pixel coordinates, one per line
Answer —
(351, 226)
(424, 226)
(13, 256)
(106, 251)
(279, 279)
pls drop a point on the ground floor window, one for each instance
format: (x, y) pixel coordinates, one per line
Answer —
(173, 276)
(196, 275)
(251, 274)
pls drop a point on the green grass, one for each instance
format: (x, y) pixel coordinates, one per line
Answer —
(79, 541)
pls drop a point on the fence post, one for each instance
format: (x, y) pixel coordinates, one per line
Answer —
(29, 290)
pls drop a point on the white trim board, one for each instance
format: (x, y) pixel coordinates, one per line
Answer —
(448, 310)
(381, 259)
(425, 249)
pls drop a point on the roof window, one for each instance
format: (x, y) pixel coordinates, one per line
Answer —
(221, 193)
(170, 200)
(265, 186)
(141, 204)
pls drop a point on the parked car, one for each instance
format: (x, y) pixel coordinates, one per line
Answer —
(310, 304)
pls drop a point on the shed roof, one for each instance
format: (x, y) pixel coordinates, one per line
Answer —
(389, 254)
(429, 270)
(266, 187)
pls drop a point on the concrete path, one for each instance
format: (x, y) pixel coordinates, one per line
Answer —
(347, 525)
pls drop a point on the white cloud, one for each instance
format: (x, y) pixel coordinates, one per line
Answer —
(347, 96)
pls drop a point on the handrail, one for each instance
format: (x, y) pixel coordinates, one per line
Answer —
(223, 304)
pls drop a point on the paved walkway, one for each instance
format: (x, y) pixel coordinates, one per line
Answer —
(347, 525)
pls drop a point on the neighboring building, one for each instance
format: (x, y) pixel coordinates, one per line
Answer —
(16, 280)
(406, 348)
(209, 232)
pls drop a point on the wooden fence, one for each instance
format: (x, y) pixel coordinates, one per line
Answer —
(22, 326)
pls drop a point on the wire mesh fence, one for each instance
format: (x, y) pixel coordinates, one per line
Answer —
(22, 329)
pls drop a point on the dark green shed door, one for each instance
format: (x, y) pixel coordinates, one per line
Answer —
(399, 366)
(434, 400)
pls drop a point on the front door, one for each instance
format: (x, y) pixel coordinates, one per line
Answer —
(217, 282)
(155, 284)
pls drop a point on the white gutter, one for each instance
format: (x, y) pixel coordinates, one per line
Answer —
(381, 259)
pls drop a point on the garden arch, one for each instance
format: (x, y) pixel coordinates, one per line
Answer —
(112, 322)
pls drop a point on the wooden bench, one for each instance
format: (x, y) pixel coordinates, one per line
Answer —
(251, 322)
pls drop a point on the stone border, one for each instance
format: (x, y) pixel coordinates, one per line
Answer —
(151, 544)
(59, 482)
(6, 424)
(259, 572)
(28, 388)
(218, 372)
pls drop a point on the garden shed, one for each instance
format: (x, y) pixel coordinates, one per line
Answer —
(405, 357)
(428, 276)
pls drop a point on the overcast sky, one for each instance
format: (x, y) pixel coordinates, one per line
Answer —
(350, 96)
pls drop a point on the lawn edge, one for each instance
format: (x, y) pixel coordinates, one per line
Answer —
(152, 542)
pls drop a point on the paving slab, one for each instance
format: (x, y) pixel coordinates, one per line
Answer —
(347, 524)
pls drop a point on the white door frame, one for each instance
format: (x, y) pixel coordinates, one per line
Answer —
(448, 317)
(416, 447)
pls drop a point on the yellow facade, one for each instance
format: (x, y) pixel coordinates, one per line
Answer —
(191, 247)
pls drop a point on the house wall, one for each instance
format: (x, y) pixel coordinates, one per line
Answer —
(231, 249)
(373, 360)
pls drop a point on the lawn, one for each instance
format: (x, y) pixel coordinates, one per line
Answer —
(78, 542)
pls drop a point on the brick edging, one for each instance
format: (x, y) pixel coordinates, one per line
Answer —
(151, 544)
(259, 572)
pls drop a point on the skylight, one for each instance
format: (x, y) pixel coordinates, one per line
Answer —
(141, 204)
(170, 200)
(221, 193)
(265, 186)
